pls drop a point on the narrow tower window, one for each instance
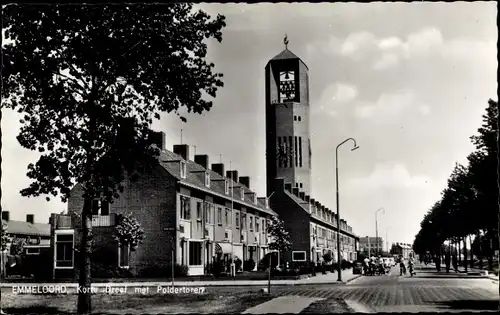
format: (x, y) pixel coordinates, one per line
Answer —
(290, 150)
(280, 151)
(299, 118)
(300, 151)
(295, 118)
(296, 153)
(285, 152)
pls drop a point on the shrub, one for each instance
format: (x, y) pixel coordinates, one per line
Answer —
(216, 268)
(249, 265)
(264, 262)
(237, 264)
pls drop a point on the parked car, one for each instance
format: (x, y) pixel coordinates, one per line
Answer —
(357, 269)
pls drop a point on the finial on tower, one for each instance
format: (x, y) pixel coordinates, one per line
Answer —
(285, 41)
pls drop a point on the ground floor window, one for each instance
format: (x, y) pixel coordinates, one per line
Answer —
(123, 256)
(195, 254)
(64, 251)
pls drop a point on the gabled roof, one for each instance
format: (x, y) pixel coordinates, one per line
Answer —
(167, 161)
(305, 206)
(28, 229)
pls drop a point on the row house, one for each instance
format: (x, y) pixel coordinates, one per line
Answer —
(312, 226)
(188, 210)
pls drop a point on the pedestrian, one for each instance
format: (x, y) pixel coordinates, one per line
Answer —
(455, 263)
(402, 267)
(447, 262)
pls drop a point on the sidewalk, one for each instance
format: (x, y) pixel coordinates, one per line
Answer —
(329, 278)
(474, 272)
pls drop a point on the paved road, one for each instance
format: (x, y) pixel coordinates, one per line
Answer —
(424, 292)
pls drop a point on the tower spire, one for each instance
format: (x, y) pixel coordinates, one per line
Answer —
(285, 41)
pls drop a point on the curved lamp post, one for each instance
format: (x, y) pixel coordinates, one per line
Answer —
(376, 229)
(355, 146)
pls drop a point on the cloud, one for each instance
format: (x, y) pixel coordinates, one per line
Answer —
(388, 60)
(336, 94)
(387, 106)
(357, 45)
(390, 175)
(424, 109)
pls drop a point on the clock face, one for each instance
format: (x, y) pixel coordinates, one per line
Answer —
(287, 86)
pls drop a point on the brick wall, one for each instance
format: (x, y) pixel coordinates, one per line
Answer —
(152, 200)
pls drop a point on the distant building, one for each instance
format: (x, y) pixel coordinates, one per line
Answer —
(36, 234)
(402, 249)
(370, 245)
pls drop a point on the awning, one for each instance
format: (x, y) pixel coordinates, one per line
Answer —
(223, 248)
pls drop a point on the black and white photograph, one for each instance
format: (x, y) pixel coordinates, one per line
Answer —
(249, 158)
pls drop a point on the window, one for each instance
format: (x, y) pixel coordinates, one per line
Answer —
(299, 118)
(285, 152)
(219, 216)
(64, 251)
(199, 208)
(242, 192)
(290, 151)
(300, 185)
(237, 220)
(300, 151)
(296, 152)
(226, 187)
(243, 221)
(32, 251)
(264, 226)
(195, 254)
(280, 161)
(123, 256)
(251, 223)
(183, 169)
(227, 217)
(295, 118)
(257, 225)
(185, 208)
(207, 212)
(207, 179)
(298, 256)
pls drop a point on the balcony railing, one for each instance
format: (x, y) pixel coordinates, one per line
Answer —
(70, 222)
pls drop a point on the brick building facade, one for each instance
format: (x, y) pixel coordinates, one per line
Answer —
(205, 211)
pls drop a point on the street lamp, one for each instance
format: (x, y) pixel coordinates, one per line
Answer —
(355, 147)
(386, 239)
(376, 228)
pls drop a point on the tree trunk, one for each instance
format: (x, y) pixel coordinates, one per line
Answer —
(84, 293)
(459, 251)
(464, 240)
(471, 256)
(490, 250)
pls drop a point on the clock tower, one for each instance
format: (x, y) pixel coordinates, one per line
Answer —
(288, 141)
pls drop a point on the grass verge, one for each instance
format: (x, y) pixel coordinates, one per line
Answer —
(128, 303)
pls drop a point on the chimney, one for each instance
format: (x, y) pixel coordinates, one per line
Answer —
(312, 201)
(295, 191)
(218, 168)
(279, 184)
(307, 198)
(302, 195)
(245, 180)
(5, 215)
(318, 205)
(30, 218)
(158, 138)
(288, 187)
(182, 150)
(202, 159)
(232, 175)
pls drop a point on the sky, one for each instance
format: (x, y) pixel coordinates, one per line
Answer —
(408, 81)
